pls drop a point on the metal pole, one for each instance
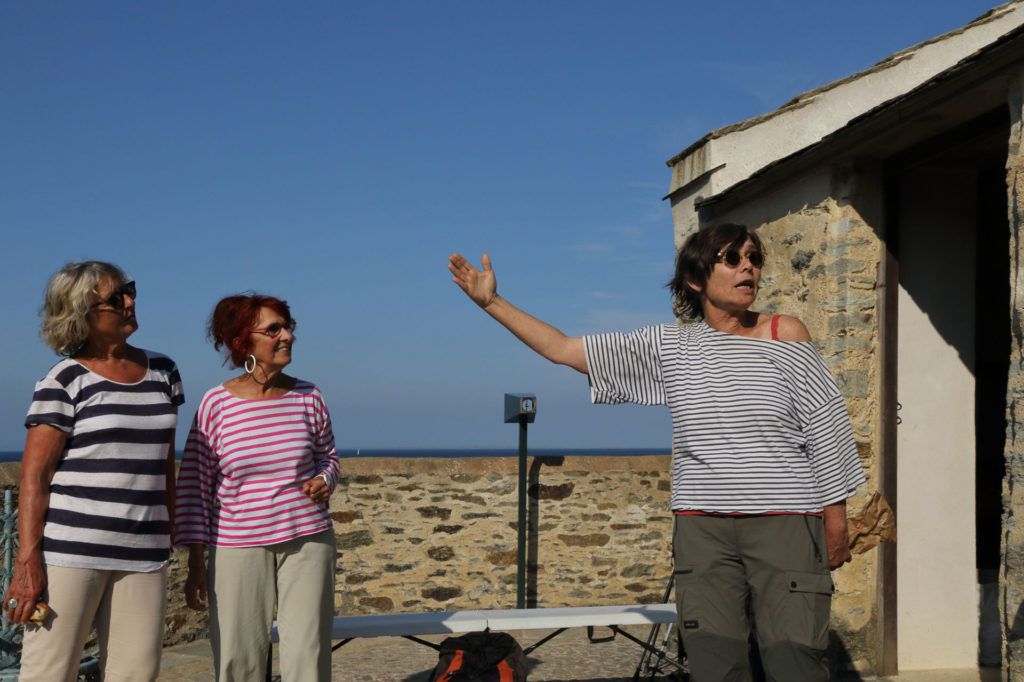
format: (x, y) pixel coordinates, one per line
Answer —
(521, 577)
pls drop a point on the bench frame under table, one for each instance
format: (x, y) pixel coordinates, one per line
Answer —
(413, 625)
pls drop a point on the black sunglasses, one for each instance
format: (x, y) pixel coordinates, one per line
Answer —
(733, 258)
(116, 299)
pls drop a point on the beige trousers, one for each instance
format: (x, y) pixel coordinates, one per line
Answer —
(245, 583)
(127, 609)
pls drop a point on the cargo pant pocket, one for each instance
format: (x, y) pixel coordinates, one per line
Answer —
(714, 630)
(688, 607)
(797, 610)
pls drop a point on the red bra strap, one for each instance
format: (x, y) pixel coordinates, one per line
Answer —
(775, 327)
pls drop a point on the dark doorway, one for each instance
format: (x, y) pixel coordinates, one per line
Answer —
(952, 242)
(992, 341)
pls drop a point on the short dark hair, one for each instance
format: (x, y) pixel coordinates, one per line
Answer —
(697, 258)
(234, 316)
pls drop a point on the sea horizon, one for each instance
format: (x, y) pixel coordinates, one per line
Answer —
(15, 455)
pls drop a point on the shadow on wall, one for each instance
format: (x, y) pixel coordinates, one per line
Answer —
(1016, 631)
(841, 662)
(533, 495)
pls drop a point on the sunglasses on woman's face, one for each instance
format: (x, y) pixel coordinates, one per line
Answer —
(274, 330)
(733, 258)
(116, 298)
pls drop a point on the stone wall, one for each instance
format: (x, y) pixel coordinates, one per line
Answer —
(440, 534)
(1012, 578)
(437, 534)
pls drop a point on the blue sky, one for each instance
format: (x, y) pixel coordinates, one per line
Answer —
(335, 153)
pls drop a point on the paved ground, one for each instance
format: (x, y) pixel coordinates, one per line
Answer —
(569, 657)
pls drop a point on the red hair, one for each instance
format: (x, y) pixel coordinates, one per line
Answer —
(234, 316)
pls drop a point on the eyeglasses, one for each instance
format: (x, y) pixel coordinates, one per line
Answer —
(274, 330)
(733, 258)
(116, 298)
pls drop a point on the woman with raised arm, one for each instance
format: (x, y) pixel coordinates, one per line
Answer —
(258, 470)
(97, 479)
(763, 453)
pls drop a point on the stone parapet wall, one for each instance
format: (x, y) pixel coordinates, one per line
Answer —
(441, 534)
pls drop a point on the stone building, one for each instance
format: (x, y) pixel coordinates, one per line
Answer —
(890, 206)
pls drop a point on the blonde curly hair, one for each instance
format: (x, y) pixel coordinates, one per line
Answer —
(69, 295)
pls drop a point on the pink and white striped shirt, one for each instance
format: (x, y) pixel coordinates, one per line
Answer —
(240, 483)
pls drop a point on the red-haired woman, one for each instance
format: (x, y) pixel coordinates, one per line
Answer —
(258, 469)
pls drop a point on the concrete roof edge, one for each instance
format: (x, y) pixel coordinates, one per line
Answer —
(693, 181)
(806, 98)
(935, 80)
(686, 152)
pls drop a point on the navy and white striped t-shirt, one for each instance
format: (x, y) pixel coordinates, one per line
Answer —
(108, 503)
(757, 425)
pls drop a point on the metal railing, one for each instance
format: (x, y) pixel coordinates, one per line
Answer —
(11, 633)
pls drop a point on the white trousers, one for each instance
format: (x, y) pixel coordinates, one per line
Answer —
(245, 583)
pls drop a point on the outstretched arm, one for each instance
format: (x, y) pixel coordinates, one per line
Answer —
(481, 287)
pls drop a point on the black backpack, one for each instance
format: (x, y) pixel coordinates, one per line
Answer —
(480, 657)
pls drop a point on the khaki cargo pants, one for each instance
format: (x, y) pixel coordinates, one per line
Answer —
(777, 562)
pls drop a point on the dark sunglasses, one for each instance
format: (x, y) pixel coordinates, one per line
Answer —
(733, 258)
(274, 330)
(116, 299)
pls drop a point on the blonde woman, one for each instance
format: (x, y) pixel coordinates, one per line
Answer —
(96, 473)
